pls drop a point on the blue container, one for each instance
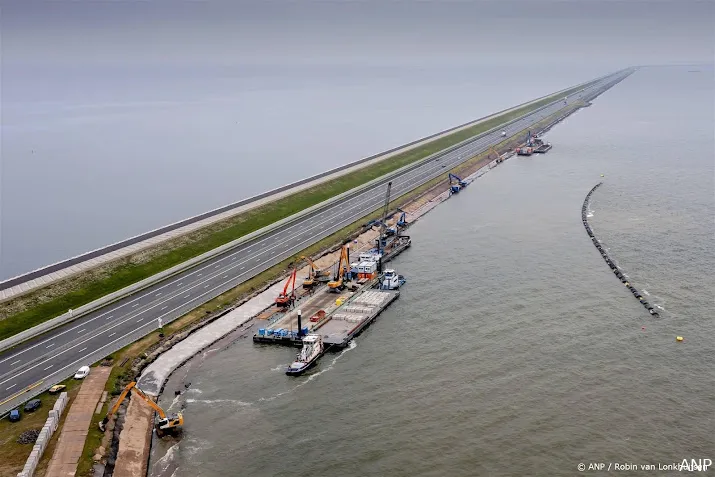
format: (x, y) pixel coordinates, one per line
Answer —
(269, 332)
(305, 330)
(261, 332)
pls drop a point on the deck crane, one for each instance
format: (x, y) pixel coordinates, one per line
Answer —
(314, 275)
(455, 184)
(338, 282)
(528, 148)
(285, 300)
(400, 223)
(164, 424)
(382, 237)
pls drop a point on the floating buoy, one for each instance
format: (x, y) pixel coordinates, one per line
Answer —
(602, 175)
(678, 338)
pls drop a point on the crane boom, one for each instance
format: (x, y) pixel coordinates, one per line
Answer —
(163, 423)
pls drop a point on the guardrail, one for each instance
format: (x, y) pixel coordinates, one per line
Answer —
(150, 281)
(46, 270)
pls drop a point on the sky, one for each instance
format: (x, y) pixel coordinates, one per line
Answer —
(607, 33)
(122, 116)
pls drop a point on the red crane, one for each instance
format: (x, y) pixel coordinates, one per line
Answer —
(284, 299)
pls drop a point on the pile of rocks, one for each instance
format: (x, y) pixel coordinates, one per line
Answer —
(29, 436)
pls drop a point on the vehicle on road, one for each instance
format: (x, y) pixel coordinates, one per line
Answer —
(57, 388)
(14, 415)
(82, 373)
(33, 405)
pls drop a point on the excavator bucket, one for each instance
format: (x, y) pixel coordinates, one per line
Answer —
(103, 424)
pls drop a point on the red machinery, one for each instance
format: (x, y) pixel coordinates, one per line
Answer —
(284, 299)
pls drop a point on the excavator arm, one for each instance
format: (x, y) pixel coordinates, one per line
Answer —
(164, 421)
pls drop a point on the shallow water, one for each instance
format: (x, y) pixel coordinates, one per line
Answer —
(513, 349)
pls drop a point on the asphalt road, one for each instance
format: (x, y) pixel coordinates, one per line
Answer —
(80, 342)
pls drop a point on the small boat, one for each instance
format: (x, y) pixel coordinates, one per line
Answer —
(309, 354)
(391, 280)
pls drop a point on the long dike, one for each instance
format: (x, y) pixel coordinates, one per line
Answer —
(616, 270)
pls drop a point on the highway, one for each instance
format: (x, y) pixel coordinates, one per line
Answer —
(57, 354)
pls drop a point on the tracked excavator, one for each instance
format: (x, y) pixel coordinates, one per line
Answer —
(315, 276)
(164, 424)
(338, 282)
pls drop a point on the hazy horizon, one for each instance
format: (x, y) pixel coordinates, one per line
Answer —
(120, 117)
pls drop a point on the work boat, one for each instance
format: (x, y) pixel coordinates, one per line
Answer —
(309, 354)
(391, 280)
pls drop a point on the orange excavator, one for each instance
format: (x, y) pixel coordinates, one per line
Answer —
(163, 425)
(314, 275)
(285, 300)
(338, 282)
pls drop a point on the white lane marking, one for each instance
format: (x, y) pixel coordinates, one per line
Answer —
(109, 317)
(280, 234)
(187, 295)
(13, 364)
(233, 258)
(140, 320)
(206, 286)
(50, 345)
(179, 284)
(48, 367)
(225, 276)
(80, 331)
(158, 294)
(109, 336)
(135, 305)
(164, 308)
(82, 350)
(199, 274)
(242, 268)
(10, 387)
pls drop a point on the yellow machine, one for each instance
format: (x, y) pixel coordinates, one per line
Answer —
(338, 283)
(496, 154)
(164, 424)
(314, 275)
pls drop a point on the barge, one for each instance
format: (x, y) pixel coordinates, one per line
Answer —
(351, 319)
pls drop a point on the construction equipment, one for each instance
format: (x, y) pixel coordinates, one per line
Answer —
(455, 184)
(498, 156)
(338, 282)
(285, 300)
(528, 148)
(314, 275)
(164, 424)
(402, 219)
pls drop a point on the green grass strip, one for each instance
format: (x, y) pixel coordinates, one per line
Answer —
(215, 235)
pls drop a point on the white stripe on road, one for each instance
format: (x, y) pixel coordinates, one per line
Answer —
(50, 345)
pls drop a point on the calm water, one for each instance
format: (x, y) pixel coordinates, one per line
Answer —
(514, 350)
(95, 156)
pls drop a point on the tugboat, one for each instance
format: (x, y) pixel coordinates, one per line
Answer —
(391, 280)
(309, 354)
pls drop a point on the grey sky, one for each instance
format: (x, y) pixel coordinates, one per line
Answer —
(607, 33)
(121, 116)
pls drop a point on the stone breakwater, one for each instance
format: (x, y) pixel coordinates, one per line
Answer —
(616, 271)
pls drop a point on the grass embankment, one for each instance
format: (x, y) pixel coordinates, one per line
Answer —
(41, 305)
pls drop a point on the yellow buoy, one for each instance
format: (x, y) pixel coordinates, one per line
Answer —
(678, 338)
(602, 175)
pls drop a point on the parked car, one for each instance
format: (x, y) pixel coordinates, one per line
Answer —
(33, 405)
(57, 388)
(14, 415)
(82, 373)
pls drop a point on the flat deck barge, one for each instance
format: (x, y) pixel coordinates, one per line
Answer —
(349, 320)
(544, 148)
